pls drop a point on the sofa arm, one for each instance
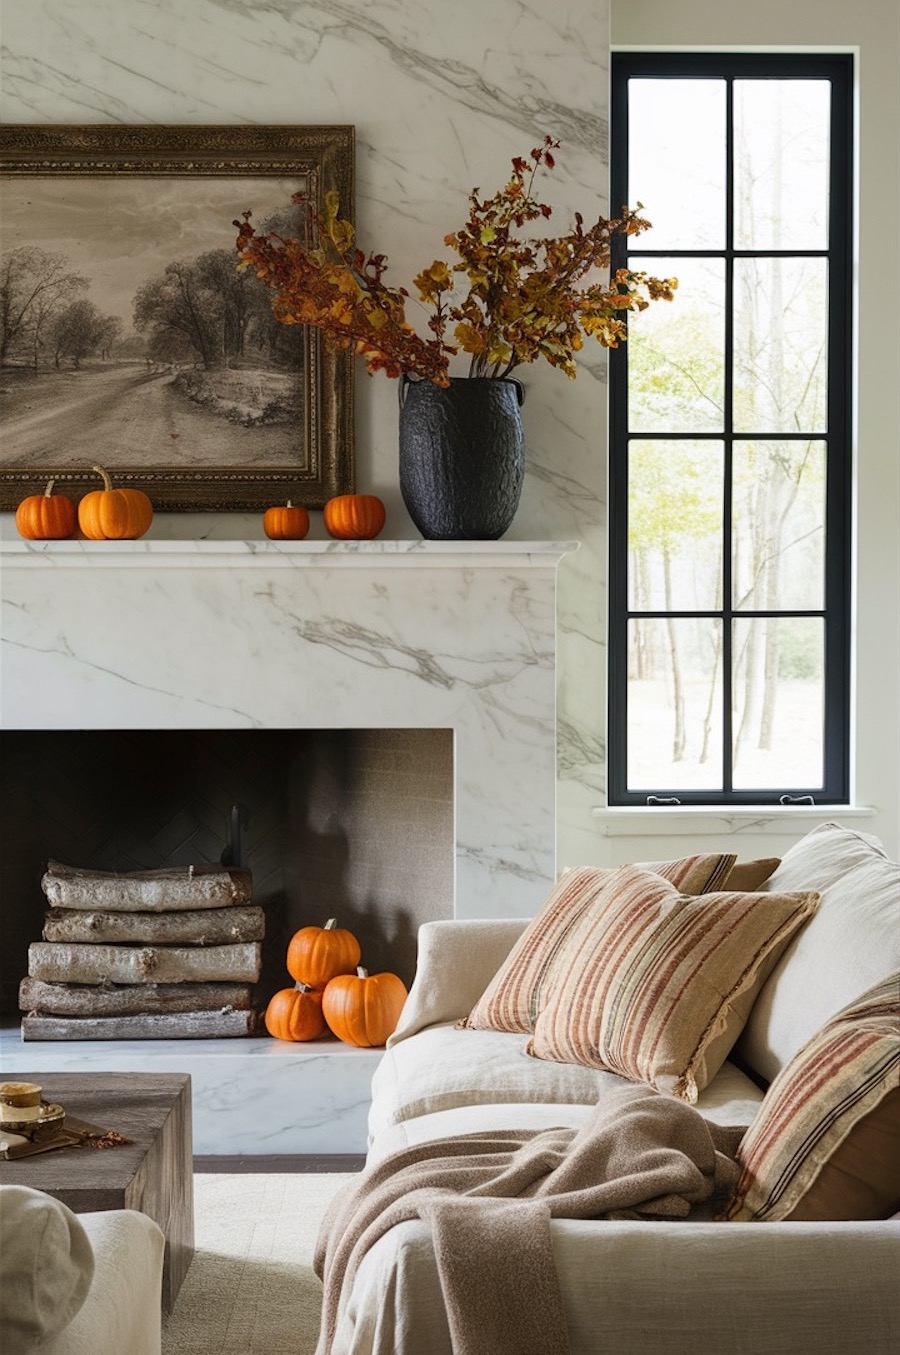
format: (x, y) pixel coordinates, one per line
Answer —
(122, 1312)
(456, 961)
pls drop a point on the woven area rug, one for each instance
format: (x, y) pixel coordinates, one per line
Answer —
(250, 1289)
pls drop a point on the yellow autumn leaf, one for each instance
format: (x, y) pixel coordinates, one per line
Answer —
(468, 338)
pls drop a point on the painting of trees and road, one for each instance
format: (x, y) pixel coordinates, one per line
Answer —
(121, 340)
(128, 336)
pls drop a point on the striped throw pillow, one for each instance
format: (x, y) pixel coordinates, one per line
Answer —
(520, 987)
(841, 1085)
(657, 984)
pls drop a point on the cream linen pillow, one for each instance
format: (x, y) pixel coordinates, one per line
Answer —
(655, 984)
(520, 987)
(824, 1143)
(852, 942)
(46, 1267)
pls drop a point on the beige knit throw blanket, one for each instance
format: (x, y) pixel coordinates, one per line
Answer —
(489, 1199)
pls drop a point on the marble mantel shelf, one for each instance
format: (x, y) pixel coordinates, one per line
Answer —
(285, 554)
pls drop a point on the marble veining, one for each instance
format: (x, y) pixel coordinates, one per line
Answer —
(258, 643)
(249, 1096)
(441, 96)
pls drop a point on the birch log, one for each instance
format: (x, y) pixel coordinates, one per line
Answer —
(177, 1026)
(68, 999)
(64, 962)
(154, 891)
(202, 927)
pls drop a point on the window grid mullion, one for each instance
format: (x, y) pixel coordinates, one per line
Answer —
(728, 431)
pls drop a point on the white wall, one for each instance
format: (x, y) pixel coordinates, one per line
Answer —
(442, 95)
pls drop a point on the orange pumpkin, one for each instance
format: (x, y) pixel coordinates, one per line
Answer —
(109, 514)
(295, 1014)
(354, 517)
(317, 954)
(363, 1008)
(290, 523)
(46, 517)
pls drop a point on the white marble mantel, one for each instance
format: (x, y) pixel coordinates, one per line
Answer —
(319, 635)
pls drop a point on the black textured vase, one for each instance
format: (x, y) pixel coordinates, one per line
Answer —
(462, 456)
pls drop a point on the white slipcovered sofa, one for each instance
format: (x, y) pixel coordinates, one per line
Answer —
(71, 1284)
(809, 1265)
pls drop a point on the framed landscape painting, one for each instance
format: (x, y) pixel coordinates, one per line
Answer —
(128, 337)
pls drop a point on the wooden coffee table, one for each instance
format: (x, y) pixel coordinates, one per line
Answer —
(153, 1174)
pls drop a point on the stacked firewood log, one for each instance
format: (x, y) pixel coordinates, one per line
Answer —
(144, 955)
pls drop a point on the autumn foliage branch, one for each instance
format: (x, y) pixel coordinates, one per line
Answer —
(526, 298)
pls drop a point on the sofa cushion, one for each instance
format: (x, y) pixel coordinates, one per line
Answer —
(852, 942)
(656, 984)
(445, 1068)
(730, 1099)
(825, 1143)
(46, 1267)
(518, 990)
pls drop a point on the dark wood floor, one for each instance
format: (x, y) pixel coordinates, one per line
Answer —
(284, 1163)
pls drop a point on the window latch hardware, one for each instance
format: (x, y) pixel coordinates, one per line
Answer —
(796, 800)
(663, 800)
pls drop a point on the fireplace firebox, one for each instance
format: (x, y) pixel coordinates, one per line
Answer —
(353, 824)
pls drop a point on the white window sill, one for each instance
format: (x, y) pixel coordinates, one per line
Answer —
(654, 821)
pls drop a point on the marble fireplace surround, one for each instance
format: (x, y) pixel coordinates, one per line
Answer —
(307, 635)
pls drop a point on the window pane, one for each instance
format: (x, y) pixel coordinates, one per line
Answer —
(778, 494)
(676, 380)
(778, 703)
(781, 161)
(675, 526)
(676, 154)
(674, 704)
(780, 345)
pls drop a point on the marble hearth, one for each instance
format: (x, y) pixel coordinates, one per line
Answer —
(183, 635)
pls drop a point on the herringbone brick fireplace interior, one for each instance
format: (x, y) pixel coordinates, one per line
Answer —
(356, 824)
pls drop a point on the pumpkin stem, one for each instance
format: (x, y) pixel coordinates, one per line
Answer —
(49, 490)
(330, 924)
(289, 504)
(361, 973)
(303, 987)
(107, 482)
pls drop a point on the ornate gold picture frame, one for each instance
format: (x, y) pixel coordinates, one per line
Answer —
(128, 337)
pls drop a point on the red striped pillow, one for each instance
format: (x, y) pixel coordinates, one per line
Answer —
(840, 1086)
(656, 984)
(519, 989)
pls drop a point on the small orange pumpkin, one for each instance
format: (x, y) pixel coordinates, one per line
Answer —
(109, 514)
(363, 1008)
(295, 1014)
(290, 523)
(47, 516)
(317, 954)
(354, 517)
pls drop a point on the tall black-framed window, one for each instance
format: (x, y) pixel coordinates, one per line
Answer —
(730, 432)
